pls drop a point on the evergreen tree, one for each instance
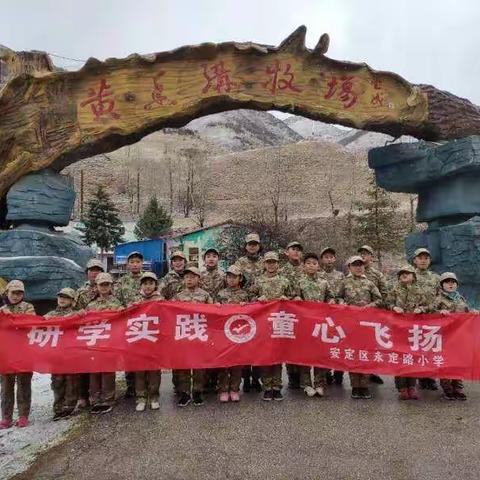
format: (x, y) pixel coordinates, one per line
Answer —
(379, 222)
(154, 222)
(101, 224)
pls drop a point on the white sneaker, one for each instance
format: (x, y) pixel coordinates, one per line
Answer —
(154, 405)
(320, 391)
(309, 391)
(140, 406)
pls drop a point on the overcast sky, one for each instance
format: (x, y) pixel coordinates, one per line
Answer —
(425, 41)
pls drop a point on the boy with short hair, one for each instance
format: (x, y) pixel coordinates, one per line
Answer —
(172, 282)
(314, 288)
(449, 301)
(407, 296)
(229, 379)
(272, 286)
(147, 383)
(190, 383)
(64, 385)
(358, 290)
(102, 385)
(15, 291)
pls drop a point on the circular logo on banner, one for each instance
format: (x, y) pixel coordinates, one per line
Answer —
(240, 328)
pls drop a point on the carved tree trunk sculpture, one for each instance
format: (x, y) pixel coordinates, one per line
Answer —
(52, 119)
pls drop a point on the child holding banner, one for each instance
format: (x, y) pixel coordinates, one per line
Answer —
(64, 386)
(315, 288)
(147, 383)
(358, 290)
(407, 296)
(15, 291)
(229, 379)
(102, 385)
(449, 301)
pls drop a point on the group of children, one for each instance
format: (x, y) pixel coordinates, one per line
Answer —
(253, 277)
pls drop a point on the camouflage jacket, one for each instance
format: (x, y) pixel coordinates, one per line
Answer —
(21, 307)
(85, 295)
(315, 289)
(170, 285)
(108, 303)
(251, 267)
(335, 280)
(141, 297)
(378, 279)
(444, 301)
(127, 288)
(271, 288)
(193, 296)
(293, 273)
(359, 291)
(408, 297)
(212, 280)
(232, 295)
(429, 282)
(61, 312)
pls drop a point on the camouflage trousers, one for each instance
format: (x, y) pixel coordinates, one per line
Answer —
(229, 379)
(102, 388)
(359, 380)
(272, 377)
(251, 371)
(186, 381)
(319, 377)
(64, 392)
(449, 385)
(24, 394)
(83, 385)
(147, 384)
(405, 382)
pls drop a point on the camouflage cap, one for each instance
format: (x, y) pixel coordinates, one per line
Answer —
(419, 251)
(211, 250)
(271, 256)
(367, 248)
(178, 254)
(327, 249)
(103, 278)
(135, 254)
(15, 286)
(234, 270)
(252, 237)
(193, 270)
(294, 244)
(406, 269)
(448, 276)
(150, 275)
(94, 263)
(67, 292)
(355, 258)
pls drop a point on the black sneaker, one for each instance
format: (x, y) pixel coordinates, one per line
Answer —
(432, 384)
(197, 399)
(459, 395)
(256, 385)
(356, 393)
(105, 408)
(449, 395)
(57, 416)
(329, 377)
(68, 412)
(365, 393)
(246, 385)
(277, 395)
(376, 379)
(267, 395)
(184, 399)
(338, 377)
(96, 409)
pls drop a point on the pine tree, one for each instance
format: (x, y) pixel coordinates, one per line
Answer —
(154, 222)
(379, 223)
(101, 224)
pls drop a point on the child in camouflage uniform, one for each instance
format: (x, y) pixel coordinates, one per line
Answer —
(428, 281)
(271, 286)
(147, 383)
(407, 296)
(251, 266)
(449, 301)
(64, 386)
(315, 288)
(193, 381)
(15, 291)
(172, 282)
(358, 290)
(102, 385)
(229, 379)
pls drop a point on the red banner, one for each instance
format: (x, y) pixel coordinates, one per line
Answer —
(156, 335)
